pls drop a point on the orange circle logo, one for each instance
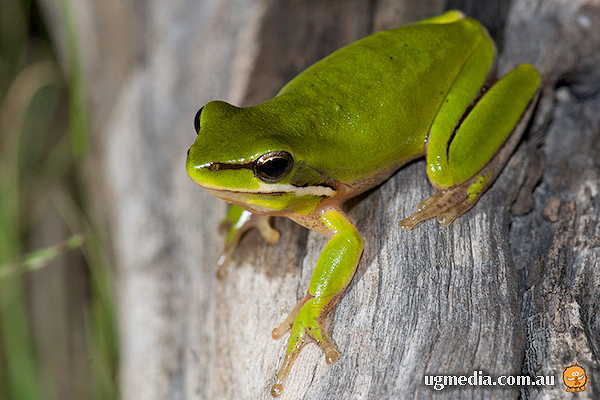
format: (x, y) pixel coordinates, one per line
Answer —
(575, 378)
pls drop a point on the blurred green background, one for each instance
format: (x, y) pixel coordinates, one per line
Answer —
(57, 321)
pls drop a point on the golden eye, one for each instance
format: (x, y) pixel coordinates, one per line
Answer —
(273, 166)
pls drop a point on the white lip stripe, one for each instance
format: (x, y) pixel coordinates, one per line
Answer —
(278, 187)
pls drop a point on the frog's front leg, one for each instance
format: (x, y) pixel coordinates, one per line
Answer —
(463, 162)
(333, 272)
(237, 222)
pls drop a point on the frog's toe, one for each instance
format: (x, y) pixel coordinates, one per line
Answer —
(331, 353)
(224, 260)
(286, 325)
(263, 224)
(454, 212)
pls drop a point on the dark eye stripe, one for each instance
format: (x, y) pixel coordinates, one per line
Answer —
(216, 166)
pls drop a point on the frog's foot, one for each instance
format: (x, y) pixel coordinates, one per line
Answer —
(237, 222)
(307, 324)
(448, 204)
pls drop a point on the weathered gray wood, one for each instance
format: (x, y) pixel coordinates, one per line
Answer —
(495, 292)
(556, 246)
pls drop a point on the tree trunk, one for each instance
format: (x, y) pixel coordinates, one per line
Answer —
(510, 288)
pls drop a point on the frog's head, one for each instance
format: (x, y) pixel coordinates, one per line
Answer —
(247, 156)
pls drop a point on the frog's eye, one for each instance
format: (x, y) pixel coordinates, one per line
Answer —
(272, 167)
(197, 120)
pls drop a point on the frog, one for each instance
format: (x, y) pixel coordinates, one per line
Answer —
(343, 126)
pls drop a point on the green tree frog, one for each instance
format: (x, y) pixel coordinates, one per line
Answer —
(346, 124)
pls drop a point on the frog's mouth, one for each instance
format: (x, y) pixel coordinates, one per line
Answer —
(238, 196)
(272, 201)
(270, 189)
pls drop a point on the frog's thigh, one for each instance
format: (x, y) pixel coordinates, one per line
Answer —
(464, 169)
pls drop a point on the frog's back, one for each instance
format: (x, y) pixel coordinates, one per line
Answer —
(369, 105)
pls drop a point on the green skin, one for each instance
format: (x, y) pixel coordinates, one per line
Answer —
(349, 122)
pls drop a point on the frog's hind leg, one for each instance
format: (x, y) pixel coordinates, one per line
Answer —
(462, 164)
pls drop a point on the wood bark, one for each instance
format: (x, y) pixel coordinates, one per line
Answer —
(510, 288)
